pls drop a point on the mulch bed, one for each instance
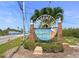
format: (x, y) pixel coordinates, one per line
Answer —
(24, 53)
(68, 53)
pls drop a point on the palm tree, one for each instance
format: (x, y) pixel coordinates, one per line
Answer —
(54, 12)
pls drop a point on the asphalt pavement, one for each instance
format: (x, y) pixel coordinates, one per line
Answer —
(4, 39)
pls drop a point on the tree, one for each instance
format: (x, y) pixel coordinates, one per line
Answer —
(0, 30)
(18, 28)
(54, 12)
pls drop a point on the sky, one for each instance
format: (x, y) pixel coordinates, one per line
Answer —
(11, 16)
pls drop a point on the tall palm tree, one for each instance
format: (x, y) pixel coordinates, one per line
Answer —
(54, 12)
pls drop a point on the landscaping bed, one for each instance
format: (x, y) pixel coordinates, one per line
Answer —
(47, 47)
(25, 53)
(50, 46)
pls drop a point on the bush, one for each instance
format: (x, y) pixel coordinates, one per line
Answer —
(70, 40)
(47, 47)
(53, 47)
(71, 32)
(57, 47)
(29, 45)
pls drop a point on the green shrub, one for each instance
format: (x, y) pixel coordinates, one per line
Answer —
(57, 47)
(53, 47)
(38, 44)
(47, 47)
(29, 45)
(71, 32)
(71, 40)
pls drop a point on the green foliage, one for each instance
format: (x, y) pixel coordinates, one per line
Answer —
(29, 45)
(9, 45)
(73, 32)
(71, 40)
(6, 31)
(54, 12)
(3, 32)
(47, 47)
(58, 47)
(53, 47)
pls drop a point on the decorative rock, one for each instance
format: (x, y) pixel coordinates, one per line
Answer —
(38, 51)
(65, 45)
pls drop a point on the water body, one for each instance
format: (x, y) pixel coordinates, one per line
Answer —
(43, 34)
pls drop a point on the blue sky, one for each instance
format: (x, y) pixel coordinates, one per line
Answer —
(10, 14)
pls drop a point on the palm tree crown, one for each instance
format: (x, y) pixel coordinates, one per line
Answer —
(54, 12)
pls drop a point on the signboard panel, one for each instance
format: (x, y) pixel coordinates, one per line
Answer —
(43, 34)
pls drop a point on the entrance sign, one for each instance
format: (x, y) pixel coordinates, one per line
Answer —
(43, 20)
(43, 33)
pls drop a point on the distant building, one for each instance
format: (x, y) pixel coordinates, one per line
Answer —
(13, 33)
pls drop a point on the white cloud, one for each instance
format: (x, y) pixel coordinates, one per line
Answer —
(7, 17)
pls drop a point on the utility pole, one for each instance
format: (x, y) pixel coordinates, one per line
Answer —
(23, 20)
(22, 8)
(49, 3)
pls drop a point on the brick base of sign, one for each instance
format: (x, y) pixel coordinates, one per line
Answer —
(32, 36)
(60, 32)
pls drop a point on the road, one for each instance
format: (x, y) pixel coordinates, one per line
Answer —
(4, 39)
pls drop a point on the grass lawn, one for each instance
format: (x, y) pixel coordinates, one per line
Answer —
(9, 45)
(71, 40)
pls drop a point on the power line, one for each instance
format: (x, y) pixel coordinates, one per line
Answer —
(31, 8)
(49, 4)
